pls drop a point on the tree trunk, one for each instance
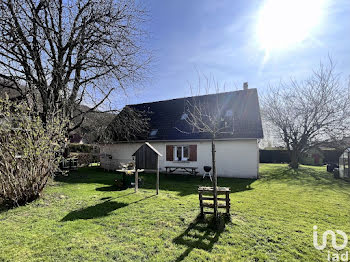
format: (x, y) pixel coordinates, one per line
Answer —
(215, 183)
(294, 159)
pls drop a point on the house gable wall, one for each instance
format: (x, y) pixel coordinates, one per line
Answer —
(235, 158)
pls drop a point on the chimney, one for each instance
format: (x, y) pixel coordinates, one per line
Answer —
(245, 85)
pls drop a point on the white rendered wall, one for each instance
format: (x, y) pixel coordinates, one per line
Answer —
(236, 158)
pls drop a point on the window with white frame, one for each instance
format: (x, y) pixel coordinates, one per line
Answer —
(181, 153)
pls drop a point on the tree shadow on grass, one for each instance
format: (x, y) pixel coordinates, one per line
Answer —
(109, 197)
(202, 234)
(3, 208)
(89, 175)
(188, 185)
(305, 176)
(183, 184)
(111, 188)
(99, 210)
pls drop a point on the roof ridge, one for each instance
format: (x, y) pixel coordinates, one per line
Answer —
(165, 116)
(166, 100)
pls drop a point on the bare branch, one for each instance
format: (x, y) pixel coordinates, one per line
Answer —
(311, 112)
(61, 50)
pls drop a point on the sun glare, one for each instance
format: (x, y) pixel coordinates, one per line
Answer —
(284, 23)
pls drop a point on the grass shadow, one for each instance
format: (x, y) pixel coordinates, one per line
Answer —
(183, 184)
(137, 201)
(89, 175)
(304, 176)
(188, 185)
(111, 188)
(202, 233)
(99, 210)
(121, 196)
(4, 208)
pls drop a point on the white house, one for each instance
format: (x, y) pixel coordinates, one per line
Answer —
(237, 152)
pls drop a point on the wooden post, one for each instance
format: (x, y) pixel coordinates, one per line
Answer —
(201, 204)
(215, 180)
(136, 180)
(157, 185)
(228, 203)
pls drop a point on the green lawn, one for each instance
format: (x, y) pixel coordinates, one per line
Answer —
(83, 218)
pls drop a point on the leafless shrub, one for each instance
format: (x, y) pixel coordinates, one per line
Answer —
(28, 152)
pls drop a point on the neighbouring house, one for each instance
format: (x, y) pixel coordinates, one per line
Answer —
(314, 157)
(237, 151)
(344, 161)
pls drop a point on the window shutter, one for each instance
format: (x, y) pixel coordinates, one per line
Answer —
(169, 153)
(193, 153)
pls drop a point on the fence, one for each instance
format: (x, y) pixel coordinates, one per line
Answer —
(274, 156)
(282, 156)
(332, 156)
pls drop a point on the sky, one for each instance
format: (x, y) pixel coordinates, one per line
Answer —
(259, 42)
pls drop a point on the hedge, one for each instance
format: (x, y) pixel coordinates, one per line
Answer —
(282, 156)
(274, 156)
(332, 156)
(84, 159)
(81, 148)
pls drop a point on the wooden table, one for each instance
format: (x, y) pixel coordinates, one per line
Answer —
(224, 201)
(132, 171)
(188, 169)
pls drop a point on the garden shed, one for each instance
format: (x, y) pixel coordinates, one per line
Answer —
(147, 159)
(314, 157)
(344, 164)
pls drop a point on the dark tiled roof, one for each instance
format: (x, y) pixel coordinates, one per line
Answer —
(165, 116)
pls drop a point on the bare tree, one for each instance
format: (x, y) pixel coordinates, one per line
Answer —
(206, 114)
(309, 113)
(128, 125)
(58, 54)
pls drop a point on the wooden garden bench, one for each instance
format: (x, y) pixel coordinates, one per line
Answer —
(188, 169)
